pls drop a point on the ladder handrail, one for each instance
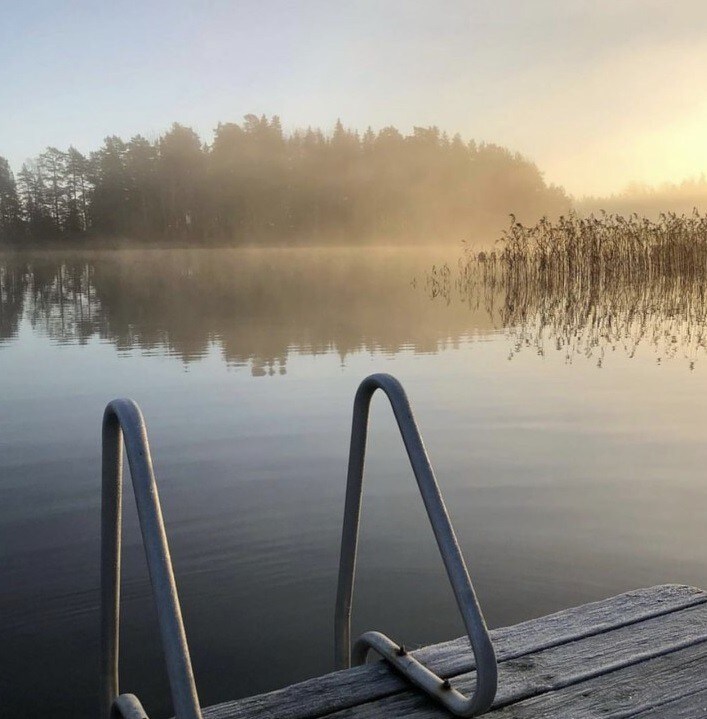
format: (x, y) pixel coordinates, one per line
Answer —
(123, 419)
(486, 668)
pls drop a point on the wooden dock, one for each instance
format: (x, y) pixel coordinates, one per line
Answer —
(641, 654)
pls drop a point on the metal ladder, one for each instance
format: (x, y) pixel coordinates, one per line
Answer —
(123, 419)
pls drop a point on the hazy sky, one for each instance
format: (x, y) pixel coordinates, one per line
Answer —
(597, 93)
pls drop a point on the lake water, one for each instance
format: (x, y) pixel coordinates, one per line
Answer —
(567, 479)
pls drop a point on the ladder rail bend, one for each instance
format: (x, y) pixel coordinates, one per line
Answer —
(416, 672)
(123, 422)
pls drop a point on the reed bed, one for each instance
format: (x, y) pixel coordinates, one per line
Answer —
(591, 284)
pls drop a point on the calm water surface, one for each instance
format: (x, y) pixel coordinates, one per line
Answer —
(566, 482)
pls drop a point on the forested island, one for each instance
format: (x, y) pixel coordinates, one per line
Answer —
(255, 184)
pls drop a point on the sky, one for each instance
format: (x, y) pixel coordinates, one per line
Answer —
(599, 94)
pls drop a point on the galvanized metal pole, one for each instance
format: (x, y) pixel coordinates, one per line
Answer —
(486, 669)
(123, 419)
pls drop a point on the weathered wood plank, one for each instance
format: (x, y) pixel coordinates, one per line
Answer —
(342, 690)
(689, 706)
(551, 669)
(628, 693)
(455, 657)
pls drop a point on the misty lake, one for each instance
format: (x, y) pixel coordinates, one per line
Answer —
(568, 478)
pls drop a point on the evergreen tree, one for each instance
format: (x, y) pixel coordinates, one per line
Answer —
(78, 191)
(108, 175)
(34, 204)
(10, 219)
(52, 163)
(182, 165)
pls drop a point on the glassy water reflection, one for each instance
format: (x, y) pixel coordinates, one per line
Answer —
(566, 482)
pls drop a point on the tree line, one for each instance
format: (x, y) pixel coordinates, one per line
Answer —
(647, 201)
(254, 183)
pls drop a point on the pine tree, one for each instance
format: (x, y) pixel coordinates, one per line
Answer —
(10, 220)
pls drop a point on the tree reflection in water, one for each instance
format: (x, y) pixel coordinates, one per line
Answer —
(255, 306)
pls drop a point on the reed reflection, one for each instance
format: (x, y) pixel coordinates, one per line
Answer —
(586, 286)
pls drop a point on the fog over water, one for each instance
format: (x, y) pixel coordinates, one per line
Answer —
(566, 482)
(234, 212)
